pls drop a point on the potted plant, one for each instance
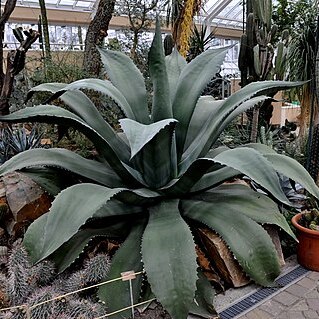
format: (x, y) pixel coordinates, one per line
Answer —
(306, 224)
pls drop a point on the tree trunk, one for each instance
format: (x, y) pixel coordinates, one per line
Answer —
(15, 64)
(80, 37)
(45, 29)
(96, 33)
(134, 46)
(8, 9)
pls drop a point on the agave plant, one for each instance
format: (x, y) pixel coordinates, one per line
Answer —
(16, 141)
(160, 179)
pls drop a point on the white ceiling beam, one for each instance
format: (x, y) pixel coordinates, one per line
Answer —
(215, 10)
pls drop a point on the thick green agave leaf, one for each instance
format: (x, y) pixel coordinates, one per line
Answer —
(249, 242)
(212, 128)
(83, 107)
(119, 207)
(205, 293)
(232, 106)
(182, 185)
(288, 167)
(259, 88)
(261, 148)
(216, 176)
(192, 81)
(57, 115)
(70, 251)
(175, 64)
(222, 120)
(294, 170)
(169, 258)
(69, 211)
(162, 105)
(206, 107)
(258, 207)
(52, 180)
(158, 160)
(139, 197)
(64, 159)
(255, 166)
(127, 78)
(128, 258)
(139, 134)
(154, 142)
(102, 86)
(49, 87)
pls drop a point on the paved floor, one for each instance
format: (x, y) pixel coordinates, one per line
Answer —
(298, 301)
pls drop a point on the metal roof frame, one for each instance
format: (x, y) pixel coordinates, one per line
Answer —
(76, 5)
(225, 13)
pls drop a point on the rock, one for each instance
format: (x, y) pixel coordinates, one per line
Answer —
(273, 233)
(222, 259)
(25, 199)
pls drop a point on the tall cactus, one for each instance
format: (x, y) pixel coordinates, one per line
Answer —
(257, 53)
(282, 56)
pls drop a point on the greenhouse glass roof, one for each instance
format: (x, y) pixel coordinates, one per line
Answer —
(224, 13)
(77, 5)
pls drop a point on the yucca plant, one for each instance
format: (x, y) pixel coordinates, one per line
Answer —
(160, 179)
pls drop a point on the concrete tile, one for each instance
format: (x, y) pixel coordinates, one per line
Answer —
(285, 298)
(297, 290)
(312, 294)
(314, 275)
(283, 315)
(313, 303)
(300, 306)
(272, 307)
(307, 283)
(258, 314)
(295, 315)
(310, 314)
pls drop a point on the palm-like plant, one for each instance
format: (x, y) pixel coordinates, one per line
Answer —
(159, 179)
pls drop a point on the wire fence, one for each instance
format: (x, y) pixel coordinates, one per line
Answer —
(125, 276)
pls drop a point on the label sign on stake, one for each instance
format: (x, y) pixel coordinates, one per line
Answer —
(129, 276)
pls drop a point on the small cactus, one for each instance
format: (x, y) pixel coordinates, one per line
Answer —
(46, 310)
(85, 309)
(31, 285)
(94, 270)
(43, 273)
(18, 287)
(310, 219)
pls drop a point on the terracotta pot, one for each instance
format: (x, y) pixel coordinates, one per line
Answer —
(308, 247)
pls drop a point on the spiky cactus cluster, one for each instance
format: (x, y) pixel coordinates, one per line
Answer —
(29, 285)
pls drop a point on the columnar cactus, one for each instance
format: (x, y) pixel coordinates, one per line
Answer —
(257, 44)
(257, 53)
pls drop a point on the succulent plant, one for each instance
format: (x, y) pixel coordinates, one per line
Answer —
(310, 219)
(156, 182)
(24, 285)
(16, 141)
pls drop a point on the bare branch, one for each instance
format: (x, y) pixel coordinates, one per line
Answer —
(8, 9)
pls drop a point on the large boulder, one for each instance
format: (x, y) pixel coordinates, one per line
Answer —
(25, 201)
